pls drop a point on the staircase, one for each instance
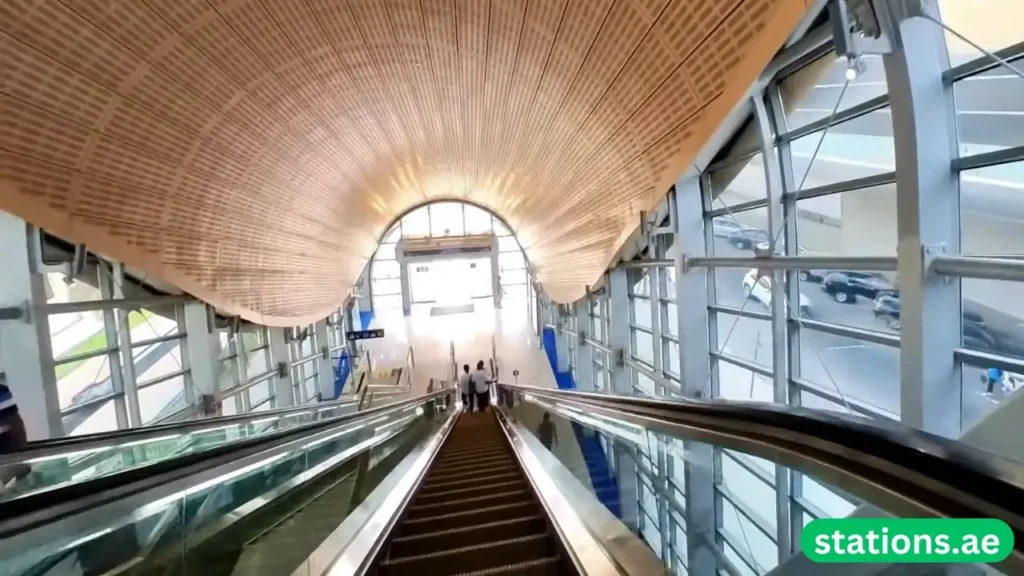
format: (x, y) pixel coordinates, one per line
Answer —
(474, 514)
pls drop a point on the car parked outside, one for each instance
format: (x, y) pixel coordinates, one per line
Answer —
(724, 226)
(846, 287)
(760, 289)
(747, 238)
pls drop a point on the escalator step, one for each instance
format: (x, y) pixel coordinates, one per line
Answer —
(446, 467)
(466, 535)
(443, 464)
(469, 479)
(470, 559)
(461, 493)
(490, 446)
(551, 566)
(471, 516)
(455, 505)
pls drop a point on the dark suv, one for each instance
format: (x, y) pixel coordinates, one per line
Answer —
(747, 238)
(845, 287)
(977, 335)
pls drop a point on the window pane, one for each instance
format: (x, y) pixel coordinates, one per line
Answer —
(854, 149)
(387, 287)
(639, 282)
(416, 223)
(738, 235)
(744, 533)
(500, 229)
(446, 219)
(92, 421)
(477, 221)
(508, 244)
(641, 312)
(511, 260)
(643, 346)
(990, 109)
(259, 393)
(736, 383)
(992, 24)
(82, 381)
(84, 289)
(386, 252)
(156, 360)
(737, 561)
(811, 93)
(670, 357)
(833, 505)
(756, 495)
(162, 399)
(258, 363)
(746, 338)
(645, 384)
(669, 319)
(393, 234)
(668, 283)
(513, 277)
(386, 269)
(737, 183)
(860, 370)
(990, 206)
(75, 334)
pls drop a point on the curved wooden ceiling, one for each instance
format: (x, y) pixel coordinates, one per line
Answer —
(252, 151)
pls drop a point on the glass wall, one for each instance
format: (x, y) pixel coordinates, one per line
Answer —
(441, 219)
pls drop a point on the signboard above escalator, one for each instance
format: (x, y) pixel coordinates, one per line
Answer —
(353, 335)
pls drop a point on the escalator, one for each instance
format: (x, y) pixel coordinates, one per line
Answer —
(475, 512)
(419, 487)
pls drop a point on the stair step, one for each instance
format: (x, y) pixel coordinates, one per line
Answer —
(443, 467)
(466, 535)
(474, 558)
(459, 493)
(488, 499)
(470, 479)
(492, 449)
(469, 516)
(551, 566)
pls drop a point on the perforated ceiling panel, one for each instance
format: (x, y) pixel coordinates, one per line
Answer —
(251, 152)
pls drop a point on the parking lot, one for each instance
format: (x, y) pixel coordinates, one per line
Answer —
(866, 372)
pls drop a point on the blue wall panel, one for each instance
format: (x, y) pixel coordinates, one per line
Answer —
(601, 477)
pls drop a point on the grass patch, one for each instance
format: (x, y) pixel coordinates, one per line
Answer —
(97, 341)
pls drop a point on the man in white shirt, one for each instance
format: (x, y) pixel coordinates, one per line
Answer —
(481, 386)
(466, 388)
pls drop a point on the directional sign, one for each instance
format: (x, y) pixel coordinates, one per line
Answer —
(353, 335)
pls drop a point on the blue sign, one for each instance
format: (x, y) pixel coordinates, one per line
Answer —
(353, 335)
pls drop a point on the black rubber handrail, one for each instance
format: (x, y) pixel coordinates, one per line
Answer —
(950, 467)
(133, 480)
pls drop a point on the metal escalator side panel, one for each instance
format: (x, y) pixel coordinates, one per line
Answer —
(353, 546)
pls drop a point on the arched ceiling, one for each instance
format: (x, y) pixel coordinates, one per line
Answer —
(252, 151)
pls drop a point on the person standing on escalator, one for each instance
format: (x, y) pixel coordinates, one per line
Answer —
(466, 388)
(481, 386)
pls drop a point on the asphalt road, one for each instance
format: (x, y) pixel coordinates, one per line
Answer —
(866, 372)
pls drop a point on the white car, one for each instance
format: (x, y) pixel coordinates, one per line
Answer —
(760, 289)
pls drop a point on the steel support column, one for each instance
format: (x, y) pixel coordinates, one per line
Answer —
(26, 355)
(691, 296)
(780, 297)
(325, 368)
(928, 222)
(201, 347)
(618, 330)
(584, 360)
(284, 389)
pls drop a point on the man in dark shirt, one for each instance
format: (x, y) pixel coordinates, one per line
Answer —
(546, 432)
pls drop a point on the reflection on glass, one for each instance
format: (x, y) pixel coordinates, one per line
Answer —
(856, 148)
(747, 537)
(825, 499)
(811, 93)
(156, 360)
(746, 338)
(755, 494)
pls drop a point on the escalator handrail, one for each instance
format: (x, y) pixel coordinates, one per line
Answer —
(959, 480)
(54, 446)
(122, 484)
